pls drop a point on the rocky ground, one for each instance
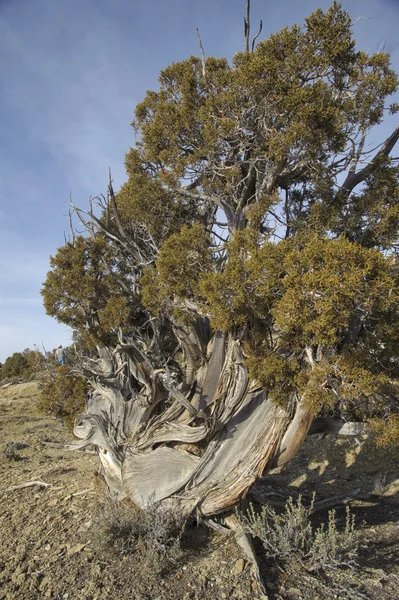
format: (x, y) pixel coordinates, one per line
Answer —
(50, 533)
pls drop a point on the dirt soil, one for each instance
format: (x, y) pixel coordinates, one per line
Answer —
(49, 534)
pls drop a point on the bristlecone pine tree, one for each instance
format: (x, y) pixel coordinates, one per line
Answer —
(244, 279)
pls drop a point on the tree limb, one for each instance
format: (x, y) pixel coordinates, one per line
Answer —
(257, 35)
(247, 27)
(202, 57)
(353, 179)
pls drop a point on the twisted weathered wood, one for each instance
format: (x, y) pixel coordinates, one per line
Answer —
(202, 446)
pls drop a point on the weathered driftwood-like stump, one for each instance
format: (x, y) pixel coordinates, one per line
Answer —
(201, 444)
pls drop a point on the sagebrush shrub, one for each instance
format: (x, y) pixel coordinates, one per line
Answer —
(290, 538)
(151, 537)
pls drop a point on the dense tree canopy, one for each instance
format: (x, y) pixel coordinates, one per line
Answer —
(250, 260)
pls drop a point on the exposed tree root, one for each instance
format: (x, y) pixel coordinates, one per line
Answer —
(244, 541)
(266, 498)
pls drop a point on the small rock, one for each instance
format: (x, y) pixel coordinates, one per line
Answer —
(294, 591)
(75, 549)
(201, 579)
(18, 579)
(238, 567)
(377, 572)
(44, 584)
(373, 582)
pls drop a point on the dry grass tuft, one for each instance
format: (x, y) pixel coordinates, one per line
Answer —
(150, 538)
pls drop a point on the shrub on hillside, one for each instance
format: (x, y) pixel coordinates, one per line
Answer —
(36, 361)
(16, 366)
(23, 365)
(63, 395)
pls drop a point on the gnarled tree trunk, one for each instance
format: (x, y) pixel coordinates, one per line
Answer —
(200, 444)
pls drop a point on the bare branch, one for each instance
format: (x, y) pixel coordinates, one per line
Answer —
(360, 17)
(21, 486)
(257, 35)
(353, 179)
(138, 243)
(71, 226)
(247, 27)
(202, 57)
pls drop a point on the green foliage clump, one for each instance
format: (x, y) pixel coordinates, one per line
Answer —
(15, 366)
(386, 430)
(183, 258)
(372, 216)
(309, 294)
(302, 93)
(148, 200)
(83, 289)
(63, 395)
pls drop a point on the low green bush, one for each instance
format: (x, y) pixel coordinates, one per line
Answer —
(15, 365)
(63, 395)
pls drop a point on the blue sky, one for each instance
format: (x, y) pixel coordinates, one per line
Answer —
(72, 73)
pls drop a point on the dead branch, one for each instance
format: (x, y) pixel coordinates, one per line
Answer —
(214, 526)
(353, 179)
(334, 501)
(202, 57)
(264, 498)
(20, 486)
(257, 35)
(247, 27)
(244, 541)
(138, 243)
(81, 493)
